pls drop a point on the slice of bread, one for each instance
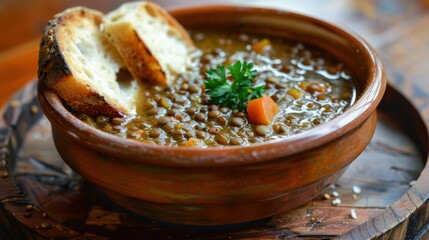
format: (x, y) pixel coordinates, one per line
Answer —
(78, 62)
(152, 43)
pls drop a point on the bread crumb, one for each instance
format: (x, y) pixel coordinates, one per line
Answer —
(34, 109)
(326, 196)
(15, 103)
(336, 202)
(353, 213)
(356, 190)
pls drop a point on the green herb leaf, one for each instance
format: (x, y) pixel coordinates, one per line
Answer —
(233, 94)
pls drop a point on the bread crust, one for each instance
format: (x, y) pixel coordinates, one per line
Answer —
(173, 23)
(139, 59)
(55, 73)
(70, 76)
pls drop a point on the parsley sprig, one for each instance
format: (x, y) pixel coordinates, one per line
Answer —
(233, 94)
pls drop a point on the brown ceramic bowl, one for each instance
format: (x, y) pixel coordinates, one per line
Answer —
(210, 186)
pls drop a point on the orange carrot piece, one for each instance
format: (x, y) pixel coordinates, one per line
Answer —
(295, 93)
(262, 110)
(192, 142)
(261, 46)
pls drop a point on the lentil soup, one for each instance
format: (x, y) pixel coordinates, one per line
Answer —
(308, 85)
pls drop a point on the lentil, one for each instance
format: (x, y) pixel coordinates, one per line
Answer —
(201, 135)
(222, 139)
(201, 117)
(172, 112)
(213, 113)
(163, 120)
(263, 130)
(238, 121)
(237, 141)
(153, 111)
(221, 121)
(155, 133)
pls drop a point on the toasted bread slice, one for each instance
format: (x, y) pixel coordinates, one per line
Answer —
(152, 43)
(78, 62)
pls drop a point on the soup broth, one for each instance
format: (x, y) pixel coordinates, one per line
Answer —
(309, 86)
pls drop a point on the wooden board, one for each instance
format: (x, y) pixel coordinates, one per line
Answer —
(397, 30)
(42, 198)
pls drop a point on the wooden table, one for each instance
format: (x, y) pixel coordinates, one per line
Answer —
(397, 28)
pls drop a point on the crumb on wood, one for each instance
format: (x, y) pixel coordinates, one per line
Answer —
(15, 103)
(356, 190)
(353, 213)
(34, 109)
(336, 202)
(326, 196)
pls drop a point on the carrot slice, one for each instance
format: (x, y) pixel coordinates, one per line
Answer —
(192, 142)
(261, 46)
(262, 110)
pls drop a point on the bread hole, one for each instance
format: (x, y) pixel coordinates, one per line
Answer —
(150, 10)
(124, 78)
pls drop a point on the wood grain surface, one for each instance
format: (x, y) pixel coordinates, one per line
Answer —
(396, 28)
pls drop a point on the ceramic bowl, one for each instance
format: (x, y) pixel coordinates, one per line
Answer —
(212, 186)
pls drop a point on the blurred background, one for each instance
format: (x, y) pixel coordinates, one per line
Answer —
(23, 20)
(398, 29)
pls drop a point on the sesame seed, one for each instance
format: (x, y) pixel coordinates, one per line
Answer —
(335, 194)
(412, 183)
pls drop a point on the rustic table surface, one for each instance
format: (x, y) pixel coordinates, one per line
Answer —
(398, 29)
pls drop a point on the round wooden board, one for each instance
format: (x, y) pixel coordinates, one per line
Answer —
(41, 198)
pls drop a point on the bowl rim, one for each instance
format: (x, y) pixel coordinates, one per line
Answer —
(179, 156)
